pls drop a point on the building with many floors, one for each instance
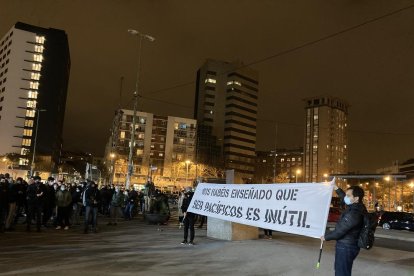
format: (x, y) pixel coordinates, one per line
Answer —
(34, 75)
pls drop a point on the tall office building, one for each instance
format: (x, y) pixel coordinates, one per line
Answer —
(326, 137)
(164, 148)
(226, 101)
(34, 75)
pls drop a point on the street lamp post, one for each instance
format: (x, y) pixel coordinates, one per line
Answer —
(412, 187)
(187, 163)
(387, 178)
(140, 37)
(32, 165)
(112, 156)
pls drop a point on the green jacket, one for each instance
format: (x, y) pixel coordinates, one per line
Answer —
(63, 198)
(118, 199)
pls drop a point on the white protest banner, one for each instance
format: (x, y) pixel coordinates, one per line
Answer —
(300, 208)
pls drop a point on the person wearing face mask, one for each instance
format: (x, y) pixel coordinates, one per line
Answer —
(63, 203)
(347, 230)
(189, 218)
(91, 199)
(117, 201)
(76, 205)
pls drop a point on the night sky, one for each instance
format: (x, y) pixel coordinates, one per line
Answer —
(371, 67)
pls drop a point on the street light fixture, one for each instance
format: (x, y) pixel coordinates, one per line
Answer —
(33, 165)
(140, 37)
(112, 156)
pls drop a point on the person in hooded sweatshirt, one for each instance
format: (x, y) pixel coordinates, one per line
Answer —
(347, 230)
(63, 203)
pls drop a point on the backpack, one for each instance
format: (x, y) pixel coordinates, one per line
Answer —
(369, 225)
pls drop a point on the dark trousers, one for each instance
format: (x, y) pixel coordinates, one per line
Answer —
(47, 214)
(63, 216)
(90, 212)
(35, 211)
(189, 221)
(128, 210)
(202, 220)
(3, 215)
(268, 232)
(345, 255)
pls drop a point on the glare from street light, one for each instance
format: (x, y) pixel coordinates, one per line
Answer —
(298, 171)
(187, 162)
(112, 155)
(387, 178)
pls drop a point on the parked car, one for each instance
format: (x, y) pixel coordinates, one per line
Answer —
(396, 220)
(334, 214)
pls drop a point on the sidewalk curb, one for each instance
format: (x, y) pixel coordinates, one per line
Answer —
(393, 237)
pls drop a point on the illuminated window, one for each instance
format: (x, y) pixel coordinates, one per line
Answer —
(30, 113)
(31, 104)
(182, 141)
(293, 159)
(160, 154)
(23, 161)
(175, 125)
(24, 151)
(35, 76)
(152, 146)
(28, 123)
(36, 66)
(27, 132)
(122, 135)
(26, 142)
(38, 58)
(34, 85)
(234, 82)
(282, 159)
(141, 136)
(264, 161)
(32, 95)
(140, 152)
(40, 39)
(39, 48)
(210, 80)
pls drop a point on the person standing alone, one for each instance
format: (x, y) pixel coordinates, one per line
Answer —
(347, 230)
(64, 204)
(189, 218)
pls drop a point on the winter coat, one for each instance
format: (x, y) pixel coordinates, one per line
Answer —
(63, 198)
(118, 199)
(350, 223)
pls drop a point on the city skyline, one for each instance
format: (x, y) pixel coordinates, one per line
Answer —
(370, 67)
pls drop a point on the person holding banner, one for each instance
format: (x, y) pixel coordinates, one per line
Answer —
(347, 230)
(189, 218)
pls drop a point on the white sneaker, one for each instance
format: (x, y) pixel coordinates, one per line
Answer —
(66, 227)
(58, 228)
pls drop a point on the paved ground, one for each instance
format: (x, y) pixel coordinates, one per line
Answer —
(135, 248)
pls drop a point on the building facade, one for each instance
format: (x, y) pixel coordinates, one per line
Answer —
(326, 138)
(226, 103)
(164, 149)
(285, 164)
(34, 75)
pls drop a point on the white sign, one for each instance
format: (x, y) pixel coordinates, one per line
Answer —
(300, 208)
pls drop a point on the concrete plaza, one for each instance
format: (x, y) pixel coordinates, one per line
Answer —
(135, 248)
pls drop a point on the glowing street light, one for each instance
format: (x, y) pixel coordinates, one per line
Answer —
(298, 172)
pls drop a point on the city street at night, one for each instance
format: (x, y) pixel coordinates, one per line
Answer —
(135, 248)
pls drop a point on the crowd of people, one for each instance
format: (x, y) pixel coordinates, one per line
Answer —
(54, 203)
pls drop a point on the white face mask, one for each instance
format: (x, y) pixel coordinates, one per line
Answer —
(62, 188)
(117, 190)
(77, 190)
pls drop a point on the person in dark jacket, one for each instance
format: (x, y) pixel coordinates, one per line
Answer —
(116, 205)
(347, 230)
(129, 209)
(4, 201)
(91, 199)
(12, 205)
(50, 201)
(21, 202)
(35, 201)
(189, 218)
(64, 204)
(76, 205)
